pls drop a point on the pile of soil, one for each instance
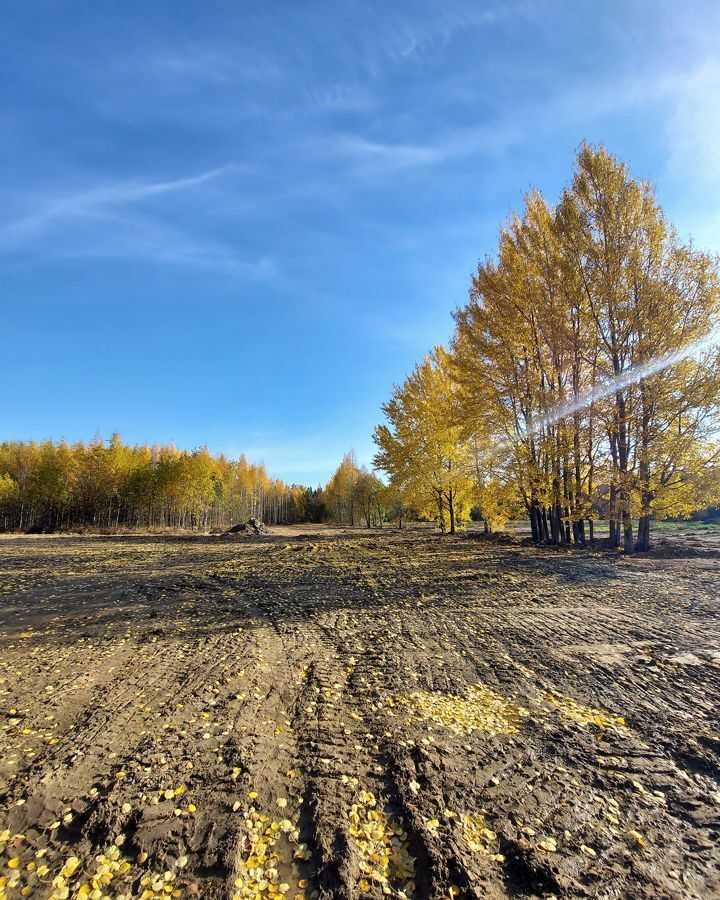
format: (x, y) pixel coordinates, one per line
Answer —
(252, 526)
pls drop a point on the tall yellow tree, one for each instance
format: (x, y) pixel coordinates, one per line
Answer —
(423, 448)
(573, 352)
(341, 491)
(649, 296)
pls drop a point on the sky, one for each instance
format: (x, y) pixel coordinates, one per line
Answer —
(237, 224)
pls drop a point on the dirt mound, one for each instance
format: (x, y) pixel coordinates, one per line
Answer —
(252, 526)
(683, 547)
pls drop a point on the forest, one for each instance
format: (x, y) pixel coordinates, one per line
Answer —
(582, 381)
(46, 486)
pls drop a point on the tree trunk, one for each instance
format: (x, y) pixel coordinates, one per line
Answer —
(628, 545)
(643, 536)
(623, 458)
(441, 511)
(555, 533)
(534, 522)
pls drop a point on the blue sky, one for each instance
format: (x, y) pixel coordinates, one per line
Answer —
(237, 224)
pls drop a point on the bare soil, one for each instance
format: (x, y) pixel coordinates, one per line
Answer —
(318, 713)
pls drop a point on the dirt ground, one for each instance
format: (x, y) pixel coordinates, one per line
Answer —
(347, 715)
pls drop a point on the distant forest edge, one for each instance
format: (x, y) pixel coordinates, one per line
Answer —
(47, 486)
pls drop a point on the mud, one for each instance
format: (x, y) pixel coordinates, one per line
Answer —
(332, 715)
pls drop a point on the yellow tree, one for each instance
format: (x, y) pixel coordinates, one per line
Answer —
(397, 506)
(506, 373)
(572, 354)
(341, 491)
(649, 298)
(495, 492)
(422, 448)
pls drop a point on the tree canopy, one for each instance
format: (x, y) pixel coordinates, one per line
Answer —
(46, 486)
(577, 385)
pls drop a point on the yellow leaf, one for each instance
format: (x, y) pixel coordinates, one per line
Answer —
(70, 866)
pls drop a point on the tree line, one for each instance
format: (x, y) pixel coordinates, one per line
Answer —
(47, 486)
(582, 381)
(355, 496)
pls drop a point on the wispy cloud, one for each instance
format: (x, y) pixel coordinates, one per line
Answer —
(691, 132)
(340, 97)
(219, 63)
(120, 220)
(361, 45)
(383, 156)
(415, 35)
(94, 202)
(694, 126)
(690, 99)
(137, 238)
(375, 157)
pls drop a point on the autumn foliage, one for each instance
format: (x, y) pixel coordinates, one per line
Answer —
(49, 486)
(354, 496)
(567, 394)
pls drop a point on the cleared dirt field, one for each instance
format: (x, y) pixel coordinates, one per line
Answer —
(350, 715)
